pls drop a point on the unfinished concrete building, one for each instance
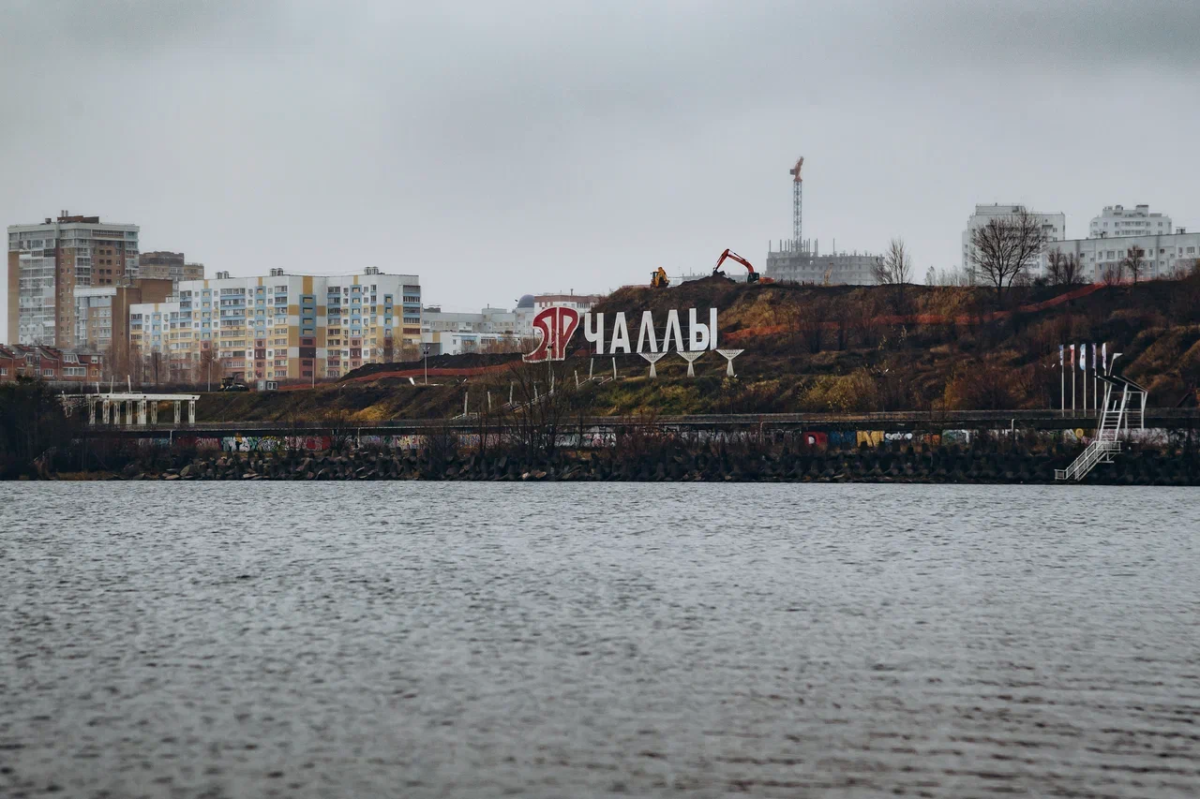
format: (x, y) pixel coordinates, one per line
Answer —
(798, 260)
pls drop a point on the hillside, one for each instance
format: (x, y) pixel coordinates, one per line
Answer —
(815, 349)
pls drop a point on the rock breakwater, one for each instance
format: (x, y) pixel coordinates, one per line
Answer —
(883, 464)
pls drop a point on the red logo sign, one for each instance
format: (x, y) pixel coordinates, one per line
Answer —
(554, 327)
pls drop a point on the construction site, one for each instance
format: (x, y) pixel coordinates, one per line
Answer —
(799, 260)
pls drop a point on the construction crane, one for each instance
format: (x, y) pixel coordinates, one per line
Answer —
(797, 202)
(659, 279)
(753, 277)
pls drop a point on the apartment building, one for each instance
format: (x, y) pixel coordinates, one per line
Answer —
(490, 330)
(48, 261)
(1054, 226)
(102, 314)
(1164, 256)
(580, 302)
(162, 265)
(1117, 220)
(283, 327)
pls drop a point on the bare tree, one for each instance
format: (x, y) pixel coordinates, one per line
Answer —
(951, 277)
(204, 369)
(894, 268)
(1005, 247)
(158, 369)
(1065, 268)
(544, 395)
(1113, 274)
(1134, 262)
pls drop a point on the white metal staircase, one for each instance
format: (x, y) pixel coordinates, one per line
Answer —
(1114, 418)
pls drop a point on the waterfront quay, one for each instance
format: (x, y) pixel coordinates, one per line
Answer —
(1181, 419)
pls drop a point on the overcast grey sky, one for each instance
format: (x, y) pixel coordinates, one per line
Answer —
(502, 148)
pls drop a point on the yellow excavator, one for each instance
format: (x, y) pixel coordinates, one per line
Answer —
(659, 279)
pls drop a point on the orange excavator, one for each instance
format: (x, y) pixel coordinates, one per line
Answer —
(753, 277)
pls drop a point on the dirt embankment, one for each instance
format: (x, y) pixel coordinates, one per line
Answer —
(810, 349)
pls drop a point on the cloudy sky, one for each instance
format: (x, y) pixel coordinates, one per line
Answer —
(498, 148)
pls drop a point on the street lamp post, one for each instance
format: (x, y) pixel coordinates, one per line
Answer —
(425, 354)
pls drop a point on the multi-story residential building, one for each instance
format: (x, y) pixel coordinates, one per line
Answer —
(156, 334)
(1164, 256)
(49, 364)
(102, 315)
(47, 262)
(283, 327)
(492, 329)
(1117, 220)
(1054, 225)
(580, 302)
(168, 266)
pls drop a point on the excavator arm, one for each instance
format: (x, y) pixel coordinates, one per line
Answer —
(733, 256)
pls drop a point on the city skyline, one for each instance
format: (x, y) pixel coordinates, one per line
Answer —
(558, 147)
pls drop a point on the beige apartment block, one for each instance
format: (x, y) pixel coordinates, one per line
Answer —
(283, 327)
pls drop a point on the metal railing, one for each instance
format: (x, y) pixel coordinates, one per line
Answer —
(1096, 453)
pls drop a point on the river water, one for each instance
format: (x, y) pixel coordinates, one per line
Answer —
(480, 640)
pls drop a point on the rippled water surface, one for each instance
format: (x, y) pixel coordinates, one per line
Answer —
(384, 639)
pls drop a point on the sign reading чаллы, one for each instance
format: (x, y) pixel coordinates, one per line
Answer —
(556, 326)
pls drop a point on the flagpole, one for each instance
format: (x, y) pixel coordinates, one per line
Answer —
(1074, 391)
(1095, 382)
(1083, 368)
(1062, 373)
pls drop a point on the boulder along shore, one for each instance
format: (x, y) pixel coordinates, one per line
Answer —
(946, 464)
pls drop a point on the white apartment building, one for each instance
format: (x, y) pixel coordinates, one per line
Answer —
(1117, 220)
(285, 327)
(1055, 226)
(457, 333)
(1165, 256)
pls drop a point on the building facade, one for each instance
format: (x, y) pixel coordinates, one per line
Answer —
(1054, 226)
(1116, 220)
(102, 315)
(53, 365)
(168, 266)
(1166, 256)
(282, 327)
(490, 330)
(580, 302)
(802, 265)
(46, 262)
